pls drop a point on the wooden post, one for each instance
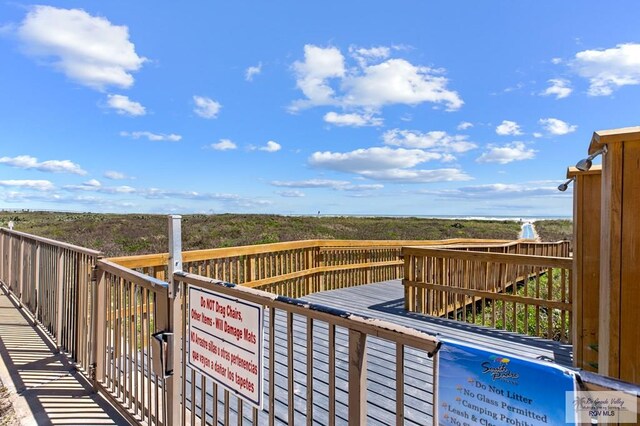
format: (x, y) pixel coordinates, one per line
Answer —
(357, 378)
(36, 283)
(619, 334)
(586, 265)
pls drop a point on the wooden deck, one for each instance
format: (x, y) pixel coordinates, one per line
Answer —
(384, 301)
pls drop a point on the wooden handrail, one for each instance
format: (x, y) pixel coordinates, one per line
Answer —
(60, 244)
(160, 259)
(513, 259)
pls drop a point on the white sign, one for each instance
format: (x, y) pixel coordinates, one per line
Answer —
(225, 338)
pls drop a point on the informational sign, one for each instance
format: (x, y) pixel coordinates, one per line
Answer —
(482, 387)
(225, 342)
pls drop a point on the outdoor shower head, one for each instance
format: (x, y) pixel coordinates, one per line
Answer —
(586, 163)
(563, 186)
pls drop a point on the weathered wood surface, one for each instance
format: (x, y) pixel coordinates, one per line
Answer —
(384, 301)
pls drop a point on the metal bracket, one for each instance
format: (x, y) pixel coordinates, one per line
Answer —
(162, 353)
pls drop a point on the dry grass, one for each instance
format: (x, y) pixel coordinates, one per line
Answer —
(120, 234)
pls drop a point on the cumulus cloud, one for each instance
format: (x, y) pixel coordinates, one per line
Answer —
(206, 107)
(464, 125)
(376, 158)
(312, 74)
(352, 119)
(557, 127)
(224, 145)
(252, 72)
(385, 163)
(125, 106)
(369, 85)
(52, 166)
(155, 137)
(433, 140)
(338, 185)
(294, 193)
(40, 185)
(558, 87)
(94, 185)
(271, 146)
(508, 128)
(504, 154)
(89, 50)
(609, 69)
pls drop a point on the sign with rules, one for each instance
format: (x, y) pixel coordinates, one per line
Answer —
(225, 342)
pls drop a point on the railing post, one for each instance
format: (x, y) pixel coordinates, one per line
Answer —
(357, 378)
(98, 326)
(21, 272)
(36, 282)
(9, 276)
(174, 383)
(60, 299)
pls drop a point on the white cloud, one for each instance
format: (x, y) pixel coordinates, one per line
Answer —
(364, 55)
(464, 125)
(556, 61)
(433, 140)
(89, 50)
(418, 176)
(609, 69)
(291, 194)
(40, 185)
(503, 191)
(224, 145)
(352, 119)
(376, 158)
(338, 185)
(397, 81)
(125, 106)
(114, 175)
(271, 146)
(206, 107)
(368, 86)
(558, 87)
(94, 185)
(508, 128)
(515, 151)
(320, 64)
(388, 164)
(252, 72)
(155, 137)
(52, 166)
(557, 127)
(536, 134)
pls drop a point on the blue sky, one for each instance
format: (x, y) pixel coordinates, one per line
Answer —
(389, 108)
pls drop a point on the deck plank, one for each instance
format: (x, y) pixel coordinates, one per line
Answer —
(384, 301)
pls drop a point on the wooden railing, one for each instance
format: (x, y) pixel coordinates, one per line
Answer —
(527, 294)
(295, 269)
(51, 280)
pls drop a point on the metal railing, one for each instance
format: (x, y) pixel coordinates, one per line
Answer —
(522, 293)
(51, 280)
(317, 366)
(295, 362)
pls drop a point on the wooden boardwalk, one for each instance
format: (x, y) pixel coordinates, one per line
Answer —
(384, 301)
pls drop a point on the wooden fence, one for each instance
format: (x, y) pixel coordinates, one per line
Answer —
(298, 268)
(524, 293)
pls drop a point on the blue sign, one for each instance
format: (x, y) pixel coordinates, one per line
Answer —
(483, 387)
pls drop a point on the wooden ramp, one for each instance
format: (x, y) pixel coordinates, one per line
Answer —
(384, 301)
